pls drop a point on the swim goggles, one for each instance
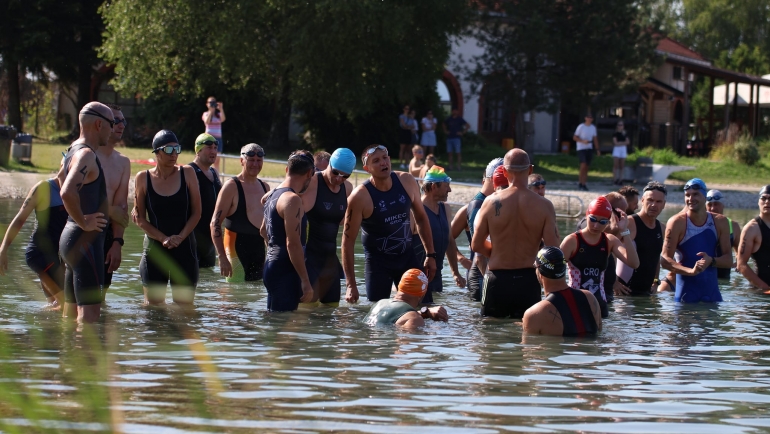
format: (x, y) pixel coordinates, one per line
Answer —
(123, 121)
(538, 183)
(259, 154)
(169, 149)
(660, 188)
(694, 186)
(371, 150)
(91, 112)
(714, 197)
(600, 221)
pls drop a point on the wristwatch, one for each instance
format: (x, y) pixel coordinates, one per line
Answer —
(423, 311)
(625, 233)
(431, 255)
(713, 263)
(119, 240)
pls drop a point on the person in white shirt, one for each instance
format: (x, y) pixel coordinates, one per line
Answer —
(428, 140)
(587, 140)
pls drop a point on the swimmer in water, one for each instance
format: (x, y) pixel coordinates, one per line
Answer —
(84, 194)
(210, 186)
(715, 205)
(241, 247)
(167, 207)
(536, 183)
(402, 310)
(565, 311)
(755, 243)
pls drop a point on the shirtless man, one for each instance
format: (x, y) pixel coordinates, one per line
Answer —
(84, 194)
(565, 311)
(379, 208)
(241, 248)
(117, 171)
(755, 243)
(209, 184)
(695, 233)
(517, 219)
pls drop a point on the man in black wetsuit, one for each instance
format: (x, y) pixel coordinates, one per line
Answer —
(379, 208)
(241, 248)
(208, 181)
(647, 233)
(325, 202)
(755, 243)
(84, 194)
(565, 311)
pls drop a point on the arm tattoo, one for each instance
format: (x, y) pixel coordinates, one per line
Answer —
(498, 205)
(743, 248)
(347, 226)
(218, 225)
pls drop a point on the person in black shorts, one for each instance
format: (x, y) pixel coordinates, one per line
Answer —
(241, 248)
(379, 208)
(42, 253)
(284, 227)
(84, 194)
(755, 244)
(325, 202)
(587, 140)
(588, 250)
(565, 311)
(210, 185)
(167, 206)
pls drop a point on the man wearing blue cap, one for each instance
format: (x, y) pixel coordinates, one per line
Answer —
(325, 202)
(695, 233)
(752, 245)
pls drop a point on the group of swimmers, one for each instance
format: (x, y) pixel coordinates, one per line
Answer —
(287, 236)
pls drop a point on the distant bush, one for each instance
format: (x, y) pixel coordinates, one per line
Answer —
(746, 151)
(659, 156)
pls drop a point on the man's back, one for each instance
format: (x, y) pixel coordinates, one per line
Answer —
(518, 219)
(569, 312)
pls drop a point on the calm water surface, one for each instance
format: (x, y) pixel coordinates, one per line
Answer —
(232, 367)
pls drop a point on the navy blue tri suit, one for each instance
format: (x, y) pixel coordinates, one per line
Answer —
(475, 278)
(82, 251)
(282, 282)
(42, 253)
(169, 214)
(575, 312)
(387, 239)
(762, 255)
(207, 253)
(323, 265)
(439, 226)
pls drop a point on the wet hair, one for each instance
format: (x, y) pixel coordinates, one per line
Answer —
(428, 186)
(322, 156)
(628, 191)
(251, 147)
(655, 185)
(113, 107)
(300, 162)
(615, 199)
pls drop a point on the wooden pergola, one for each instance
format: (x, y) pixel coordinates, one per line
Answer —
(705, 68)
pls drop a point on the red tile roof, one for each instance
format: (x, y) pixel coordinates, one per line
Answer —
(671, 46)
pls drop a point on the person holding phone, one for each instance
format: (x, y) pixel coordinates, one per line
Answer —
(213, 118)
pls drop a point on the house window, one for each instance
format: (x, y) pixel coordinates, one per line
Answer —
(497, 109)
(678, 73)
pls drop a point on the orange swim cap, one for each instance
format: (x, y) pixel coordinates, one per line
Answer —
(413, 282)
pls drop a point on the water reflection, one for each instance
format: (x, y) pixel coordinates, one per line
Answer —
(657, 366)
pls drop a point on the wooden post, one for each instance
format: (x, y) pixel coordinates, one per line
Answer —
(683, 137)
(711, 111)
(726, 122)
(735, 102)
(751, 109)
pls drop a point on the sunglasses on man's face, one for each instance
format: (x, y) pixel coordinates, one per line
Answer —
(538, 184)
(90, 112)
(259, 154)
(596, 220)
(168, 149)
(121, 121)
(336, 172)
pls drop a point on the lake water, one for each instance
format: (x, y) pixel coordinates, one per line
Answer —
(232, 367)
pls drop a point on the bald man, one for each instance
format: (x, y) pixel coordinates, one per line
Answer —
(517, 219)
(84, 194)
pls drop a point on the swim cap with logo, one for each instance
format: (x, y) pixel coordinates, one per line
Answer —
(499, 179)
(163, 138)
(343, 160)
(201, 140)
(413, 282)
(550, 262)
(600, 207)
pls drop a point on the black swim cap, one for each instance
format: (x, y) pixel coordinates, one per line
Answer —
(163, 138)
(550, 261)
(765, 190)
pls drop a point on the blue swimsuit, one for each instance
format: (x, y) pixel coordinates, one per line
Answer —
(703, 287)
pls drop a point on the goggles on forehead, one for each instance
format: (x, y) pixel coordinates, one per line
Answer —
(660, 188)
(714, 197)
(696, 187)
(370, 151)
(259, 154)
(91, 112)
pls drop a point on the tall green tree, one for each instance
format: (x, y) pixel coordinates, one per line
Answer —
(543, 54)
(343, 57)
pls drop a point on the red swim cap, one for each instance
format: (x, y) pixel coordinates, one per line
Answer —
(600, 207)
(499, 179)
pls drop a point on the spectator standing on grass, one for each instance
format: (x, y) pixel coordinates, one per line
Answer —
(454, 127)
(428, 140)
(404, 136)
(620, 143)
(414, 126)
(213, 118)
(587, 140)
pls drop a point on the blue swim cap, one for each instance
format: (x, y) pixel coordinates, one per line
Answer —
(343, 160)
(696, 184)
